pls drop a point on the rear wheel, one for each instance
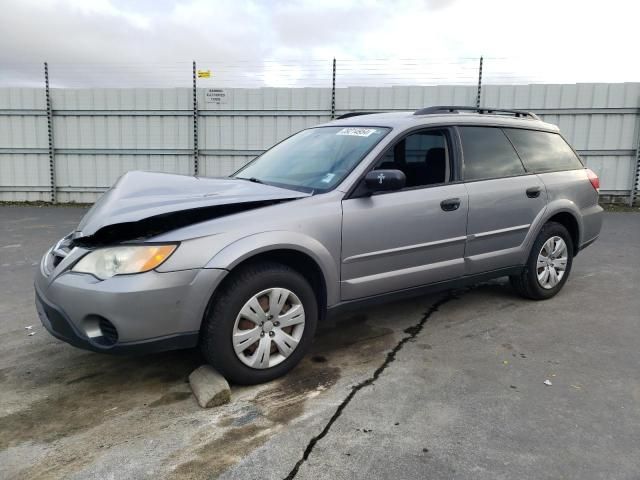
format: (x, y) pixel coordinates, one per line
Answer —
(548, 266)
(260, 323)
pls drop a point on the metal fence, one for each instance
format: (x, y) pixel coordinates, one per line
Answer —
(70, 144)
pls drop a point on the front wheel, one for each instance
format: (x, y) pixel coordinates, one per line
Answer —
(548, 266)
(260, 323)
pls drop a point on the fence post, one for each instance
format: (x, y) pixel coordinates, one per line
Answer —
(52, 161)
(635, 186)
(333, 91)
(195, 121)
(479, 84)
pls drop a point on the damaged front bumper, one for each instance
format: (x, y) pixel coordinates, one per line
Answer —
(144, 312)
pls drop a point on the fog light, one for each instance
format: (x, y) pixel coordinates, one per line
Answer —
(100, 331)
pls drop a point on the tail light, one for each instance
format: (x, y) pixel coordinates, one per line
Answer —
(593, 178)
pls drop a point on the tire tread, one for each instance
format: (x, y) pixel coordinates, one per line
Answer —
(525, 283)
(217, 314)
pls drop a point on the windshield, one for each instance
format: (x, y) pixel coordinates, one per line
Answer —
(313, 160)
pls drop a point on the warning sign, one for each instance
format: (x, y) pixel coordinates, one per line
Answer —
(216, 96)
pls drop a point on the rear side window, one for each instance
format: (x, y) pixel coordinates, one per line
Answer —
(543, 151)
(488, 154)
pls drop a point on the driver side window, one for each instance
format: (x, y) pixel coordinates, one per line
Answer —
(422, 156)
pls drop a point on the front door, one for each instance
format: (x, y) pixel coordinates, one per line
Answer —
(411, 237)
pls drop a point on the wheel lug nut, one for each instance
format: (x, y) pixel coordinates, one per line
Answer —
(276, 324)
(262, 334)
(271, 334)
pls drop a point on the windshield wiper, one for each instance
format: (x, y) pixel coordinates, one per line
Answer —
(252, 179)
(297, 188)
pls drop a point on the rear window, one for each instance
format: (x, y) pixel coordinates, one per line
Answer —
(543, 151)
(488, 154)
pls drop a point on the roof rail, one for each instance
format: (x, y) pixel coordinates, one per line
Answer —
(354, 114)
(458, 109)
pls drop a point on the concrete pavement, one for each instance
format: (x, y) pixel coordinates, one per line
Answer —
(449, 386)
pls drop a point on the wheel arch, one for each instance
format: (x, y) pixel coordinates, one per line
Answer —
(569, 221)
(304, 254)
(562, 211)
(566, 213)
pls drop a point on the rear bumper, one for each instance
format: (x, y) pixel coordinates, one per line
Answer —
(141, 313)
(591, 226)
(587, 243)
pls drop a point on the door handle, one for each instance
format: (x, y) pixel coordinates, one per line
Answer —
(533, 192)
(450, 204)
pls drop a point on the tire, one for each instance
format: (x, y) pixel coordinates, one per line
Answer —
(224, 322)
(527, 283)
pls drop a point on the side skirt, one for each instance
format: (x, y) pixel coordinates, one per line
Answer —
(350, 305)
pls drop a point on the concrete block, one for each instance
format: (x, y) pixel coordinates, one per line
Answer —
(210, 388)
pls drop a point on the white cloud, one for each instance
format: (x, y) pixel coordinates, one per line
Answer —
(153, 41)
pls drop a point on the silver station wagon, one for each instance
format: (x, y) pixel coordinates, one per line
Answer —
(362, 209)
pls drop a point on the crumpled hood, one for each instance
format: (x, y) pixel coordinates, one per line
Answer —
(141, 195)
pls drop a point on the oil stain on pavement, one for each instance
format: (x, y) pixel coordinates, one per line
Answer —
(352, 341)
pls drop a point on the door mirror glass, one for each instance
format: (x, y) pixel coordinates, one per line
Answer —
(385, 180)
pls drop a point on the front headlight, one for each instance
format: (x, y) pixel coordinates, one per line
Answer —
(106, 262)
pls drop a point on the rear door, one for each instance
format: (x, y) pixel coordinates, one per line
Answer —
(504, 200)
(562, 172)
(406, 238)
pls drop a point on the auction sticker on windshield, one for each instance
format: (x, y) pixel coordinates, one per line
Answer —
(357, 132)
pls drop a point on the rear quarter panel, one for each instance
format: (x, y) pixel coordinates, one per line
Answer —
(571, 191)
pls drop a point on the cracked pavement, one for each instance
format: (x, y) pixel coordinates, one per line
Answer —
(436, 387)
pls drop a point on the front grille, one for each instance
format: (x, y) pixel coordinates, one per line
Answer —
(58, 253)
(55, 259)
(109, 331)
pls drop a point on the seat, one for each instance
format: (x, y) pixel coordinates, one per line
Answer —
(436, 165)
(433, 170)
(388, 166)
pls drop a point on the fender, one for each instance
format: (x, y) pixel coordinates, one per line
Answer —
(247, 247)
(561, 205)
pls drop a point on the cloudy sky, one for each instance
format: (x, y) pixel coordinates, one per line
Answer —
(292, 42)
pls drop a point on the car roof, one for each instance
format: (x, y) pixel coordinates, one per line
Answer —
(405, 120)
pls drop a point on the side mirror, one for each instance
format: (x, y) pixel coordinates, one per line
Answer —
(385, 180)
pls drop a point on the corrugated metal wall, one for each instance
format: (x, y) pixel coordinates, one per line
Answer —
(101, 133)
(602, 122)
